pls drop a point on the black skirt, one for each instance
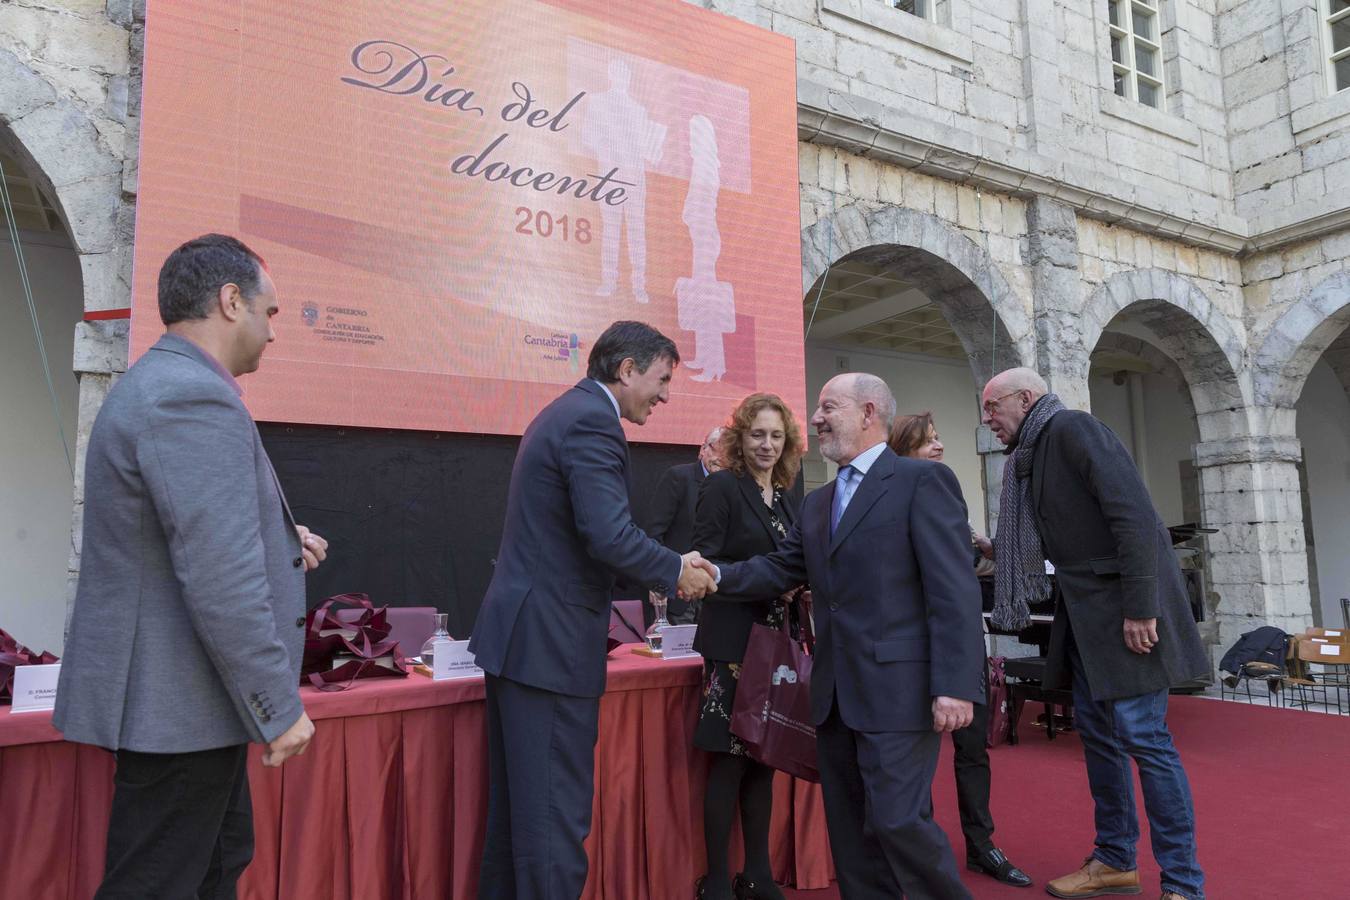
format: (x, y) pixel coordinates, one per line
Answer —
(713, 731)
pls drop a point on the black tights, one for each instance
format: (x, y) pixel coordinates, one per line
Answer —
(731, 778)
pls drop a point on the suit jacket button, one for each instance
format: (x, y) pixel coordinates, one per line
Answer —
(300, 622)
(298, 561)
(834, 606)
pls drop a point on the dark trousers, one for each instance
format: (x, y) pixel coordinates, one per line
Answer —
(971, 762)
(181, 826)
(879, 809)
(541, 768)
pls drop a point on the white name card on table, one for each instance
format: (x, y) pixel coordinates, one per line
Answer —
(35, 688)
(1330, 633)
(1325, 650)
(677, 641)
(453, 660)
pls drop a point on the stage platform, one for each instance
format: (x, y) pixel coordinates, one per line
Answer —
(1272, 798)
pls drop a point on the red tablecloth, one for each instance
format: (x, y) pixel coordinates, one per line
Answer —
(391, 798)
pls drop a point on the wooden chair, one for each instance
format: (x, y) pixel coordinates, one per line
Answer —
(1333, 673)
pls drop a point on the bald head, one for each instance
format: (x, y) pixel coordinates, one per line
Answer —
(1007, 399)
(1019, 379)
(855, 412)
(871, 389)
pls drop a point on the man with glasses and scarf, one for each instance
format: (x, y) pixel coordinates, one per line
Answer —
(1123, 633)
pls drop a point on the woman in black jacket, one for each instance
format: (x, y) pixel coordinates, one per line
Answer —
(743, 511)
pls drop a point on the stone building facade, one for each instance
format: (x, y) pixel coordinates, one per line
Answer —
(1169, 178)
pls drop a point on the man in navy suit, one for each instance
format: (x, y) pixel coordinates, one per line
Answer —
(541, 633)
(899, 646)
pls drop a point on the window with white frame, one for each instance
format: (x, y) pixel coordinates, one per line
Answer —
(921, 8)
(1136, 50)
(1337, 18)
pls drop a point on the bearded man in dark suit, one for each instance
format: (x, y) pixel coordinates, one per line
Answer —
(899, 645)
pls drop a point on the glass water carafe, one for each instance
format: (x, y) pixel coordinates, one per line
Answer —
(441, 634)
(654, 632)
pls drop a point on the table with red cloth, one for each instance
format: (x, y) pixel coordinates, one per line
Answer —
(391, 798)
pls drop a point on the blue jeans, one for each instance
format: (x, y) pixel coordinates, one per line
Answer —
(1113, 732)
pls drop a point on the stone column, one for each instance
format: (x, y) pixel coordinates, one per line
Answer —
(1052, 253)
(1249, 491)
(101, 349)
(1041, 66)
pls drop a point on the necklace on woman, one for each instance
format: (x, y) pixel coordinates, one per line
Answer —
(766, 491)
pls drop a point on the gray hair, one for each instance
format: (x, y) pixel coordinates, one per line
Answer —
(871, 389)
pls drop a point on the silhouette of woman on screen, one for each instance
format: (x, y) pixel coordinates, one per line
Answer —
(706, 306)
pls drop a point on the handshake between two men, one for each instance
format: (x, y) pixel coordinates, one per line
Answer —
(698, 577)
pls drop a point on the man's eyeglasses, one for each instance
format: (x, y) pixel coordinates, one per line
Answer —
(991, 406)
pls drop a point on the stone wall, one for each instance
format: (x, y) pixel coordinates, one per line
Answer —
(1290, 136)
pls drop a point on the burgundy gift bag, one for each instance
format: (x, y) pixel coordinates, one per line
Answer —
(337, 652)
(772, 713)
(999, 722)
(12, 655)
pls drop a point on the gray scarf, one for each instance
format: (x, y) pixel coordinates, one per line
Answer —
(1019, 558)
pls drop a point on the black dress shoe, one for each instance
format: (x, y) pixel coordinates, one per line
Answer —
(994, 864)
(743, 888)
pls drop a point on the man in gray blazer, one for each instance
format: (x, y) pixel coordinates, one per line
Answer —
(186, 636)
(1123, 633)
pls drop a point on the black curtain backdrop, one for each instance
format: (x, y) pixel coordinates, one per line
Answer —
(414, 518)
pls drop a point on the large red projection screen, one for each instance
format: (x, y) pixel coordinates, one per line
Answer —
(455, 198)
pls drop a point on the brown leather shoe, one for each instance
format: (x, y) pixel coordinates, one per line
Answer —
(1095, 879)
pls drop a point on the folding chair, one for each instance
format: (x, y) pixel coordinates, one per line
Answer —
(1271, 675)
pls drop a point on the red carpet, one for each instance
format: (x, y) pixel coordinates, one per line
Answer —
(1272, 798)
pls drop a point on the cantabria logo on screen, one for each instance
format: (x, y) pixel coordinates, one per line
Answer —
(558, 347)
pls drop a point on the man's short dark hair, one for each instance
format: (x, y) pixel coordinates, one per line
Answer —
(192, 276)
(622, 340)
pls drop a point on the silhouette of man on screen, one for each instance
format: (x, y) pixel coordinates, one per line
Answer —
(617, 130)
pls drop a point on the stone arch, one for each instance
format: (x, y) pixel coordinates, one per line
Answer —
(1298, 339)
(1190, 330)
(958, 274)
(1160, 362)
(59, 147)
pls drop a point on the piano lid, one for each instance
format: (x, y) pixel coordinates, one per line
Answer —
(1180, 534)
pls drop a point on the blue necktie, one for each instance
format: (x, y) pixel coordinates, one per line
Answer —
(842, 492)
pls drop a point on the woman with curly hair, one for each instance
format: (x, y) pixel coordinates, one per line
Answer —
(743, 511)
